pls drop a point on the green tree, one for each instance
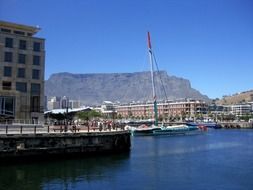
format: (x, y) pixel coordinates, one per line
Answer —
(245, 117)
(177, 117)
(160, 118)
(119, 116)
(183, 116)
(88, 115)
(130, 114)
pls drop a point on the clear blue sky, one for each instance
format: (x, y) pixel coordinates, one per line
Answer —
(209, 42)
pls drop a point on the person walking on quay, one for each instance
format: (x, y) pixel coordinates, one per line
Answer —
(100, 126)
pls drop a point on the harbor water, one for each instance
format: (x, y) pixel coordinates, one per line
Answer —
(217, 159)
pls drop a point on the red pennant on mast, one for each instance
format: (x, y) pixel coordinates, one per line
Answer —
(149, 41)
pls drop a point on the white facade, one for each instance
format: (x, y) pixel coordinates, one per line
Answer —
(107, 106)
(241, 109)
(251, 103)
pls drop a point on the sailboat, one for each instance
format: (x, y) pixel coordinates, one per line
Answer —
(155, 129)
(144, 129)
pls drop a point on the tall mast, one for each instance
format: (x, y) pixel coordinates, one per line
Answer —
(152, 78)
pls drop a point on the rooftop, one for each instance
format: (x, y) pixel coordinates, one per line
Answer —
(25, 28)
(62, 111)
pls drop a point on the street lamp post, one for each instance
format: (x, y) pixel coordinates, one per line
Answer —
(66, 120)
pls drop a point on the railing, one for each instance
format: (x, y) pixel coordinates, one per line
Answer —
(21, 129)
(11, 129)
(20, 121)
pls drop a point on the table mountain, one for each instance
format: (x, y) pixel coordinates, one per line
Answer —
(93, 89)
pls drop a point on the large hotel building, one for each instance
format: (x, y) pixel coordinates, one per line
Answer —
(22, 64)
(187, 108)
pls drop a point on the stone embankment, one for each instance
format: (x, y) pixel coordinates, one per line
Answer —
(35, 144)
(236, 125)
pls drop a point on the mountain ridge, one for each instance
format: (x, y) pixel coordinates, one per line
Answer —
(94, 88)
(237, 98)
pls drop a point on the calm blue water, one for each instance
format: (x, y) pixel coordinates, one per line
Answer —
(219, 159)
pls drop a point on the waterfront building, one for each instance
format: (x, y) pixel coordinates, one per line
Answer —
(241, 109)
(22, 65)
(213, 108)
(180, 108)
(108, 109)
(251, 104)
(189, 108)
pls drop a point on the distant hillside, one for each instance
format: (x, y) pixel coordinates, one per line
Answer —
(93, 89)
(237, 98)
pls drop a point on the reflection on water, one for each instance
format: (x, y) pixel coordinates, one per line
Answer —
(185, 149)
(59, 174)
(218, 159)
(184, 144)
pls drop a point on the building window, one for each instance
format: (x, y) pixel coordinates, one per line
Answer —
(9, 42)
(21, 86)
(36, 60)
(8, 56)
(35, 89)
(36, 46)
(7, 71)
(5, 30)
(35, 104)
(36, 74)
(6, 85)
(22, 44)
(19, 32)
(7, 106)
(21, 58)
(21, 73)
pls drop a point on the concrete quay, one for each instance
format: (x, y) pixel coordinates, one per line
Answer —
(14, 146)
(236, 125)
